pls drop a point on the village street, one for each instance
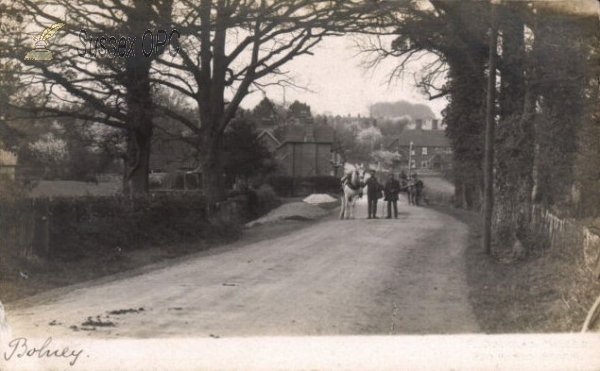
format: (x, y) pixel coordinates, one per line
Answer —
(332, 277)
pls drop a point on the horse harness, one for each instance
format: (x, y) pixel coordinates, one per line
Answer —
(346, 180)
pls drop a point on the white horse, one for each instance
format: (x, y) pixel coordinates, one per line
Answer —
(352, 184)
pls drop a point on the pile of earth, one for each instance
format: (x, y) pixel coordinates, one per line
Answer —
(296, 211)
(322, 199)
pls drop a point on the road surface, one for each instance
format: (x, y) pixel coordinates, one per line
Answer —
(332, 277)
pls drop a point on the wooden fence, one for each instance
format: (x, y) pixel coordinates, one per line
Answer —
(569, 231)
(25, 228)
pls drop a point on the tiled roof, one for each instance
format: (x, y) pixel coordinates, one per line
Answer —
(269, 134)
(423, 138)
(389, 141)
(301, 134)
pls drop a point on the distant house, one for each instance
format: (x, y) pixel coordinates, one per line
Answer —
(306, 150)
(430, 148)
(268, 140)
(426, 124)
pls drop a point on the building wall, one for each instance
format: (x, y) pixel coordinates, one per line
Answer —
(323, 159)
(419, 157)
(305, 159)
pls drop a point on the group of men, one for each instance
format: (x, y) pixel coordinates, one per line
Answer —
(390, 190)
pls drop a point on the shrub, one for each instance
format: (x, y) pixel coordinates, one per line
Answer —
(283, 185)
(267, 200)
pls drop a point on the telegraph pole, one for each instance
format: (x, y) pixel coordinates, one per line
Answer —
(410, 147)
(490, 123)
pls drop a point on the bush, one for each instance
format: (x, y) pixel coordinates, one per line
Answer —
(267, 200)
(283, 185)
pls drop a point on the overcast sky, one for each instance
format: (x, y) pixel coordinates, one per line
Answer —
(339, 85)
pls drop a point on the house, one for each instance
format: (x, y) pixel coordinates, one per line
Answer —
(426, 124)
(306, 150)
(426, 149)
(268, 140)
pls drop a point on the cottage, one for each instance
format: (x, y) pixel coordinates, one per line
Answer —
(268, 140)
(306, 150)
(426, 149)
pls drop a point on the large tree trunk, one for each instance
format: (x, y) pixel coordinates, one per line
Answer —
(137, 162)
(515, 137)
(464, 119)
(560, 66)
(138, 97)
(212, 171)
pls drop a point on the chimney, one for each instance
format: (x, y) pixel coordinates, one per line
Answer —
(434, 124)
(419, 124)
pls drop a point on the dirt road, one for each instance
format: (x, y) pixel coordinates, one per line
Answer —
(334, 277)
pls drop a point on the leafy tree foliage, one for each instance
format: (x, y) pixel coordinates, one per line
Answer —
(118, 89)
(245, 156)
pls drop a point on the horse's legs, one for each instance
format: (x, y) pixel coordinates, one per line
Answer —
(352, 204)
(344, 211)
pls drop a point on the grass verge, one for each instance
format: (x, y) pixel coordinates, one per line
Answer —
(547, 291)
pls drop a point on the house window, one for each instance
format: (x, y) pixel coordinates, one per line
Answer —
(424, 150)
(424, 164)
(412, 152)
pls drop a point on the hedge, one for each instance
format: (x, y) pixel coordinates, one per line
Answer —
(73, 227)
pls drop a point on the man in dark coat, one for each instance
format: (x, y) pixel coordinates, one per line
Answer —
(403, 182)
(391, 190)
(418, 188)
(373, 188)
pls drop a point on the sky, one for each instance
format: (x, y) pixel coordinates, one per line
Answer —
(338, 85)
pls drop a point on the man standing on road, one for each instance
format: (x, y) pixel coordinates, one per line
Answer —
(418, 188)
(391, 190)
(373, 188)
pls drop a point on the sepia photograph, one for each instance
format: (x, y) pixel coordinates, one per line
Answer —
(299, 185)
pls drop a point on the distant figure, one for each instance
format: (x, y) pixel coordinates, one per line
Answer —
(403, 176)
(373, 189)
(418, 188)
(403, 182)
(391, 190)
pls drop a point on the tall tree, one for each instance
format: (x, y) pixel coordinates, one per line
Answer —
(116, 86)
(515, 135)
(234, 46)
(245, 156)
